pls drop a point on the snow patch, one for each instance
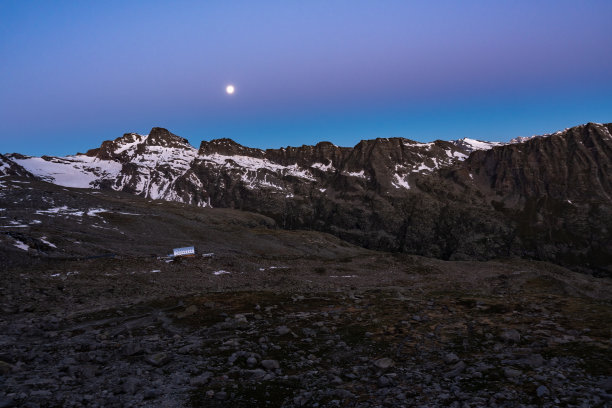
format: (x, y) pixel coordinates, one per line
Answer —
(44, 239)
(323, 167)
(58, 275)
(15, 225)
(128, 146)
(254, 163)
(360, 174)
(417, 144)
(64, 210)
(423, 168)
(95, 211)
(399, 182)
(70, 171)
(21, 245)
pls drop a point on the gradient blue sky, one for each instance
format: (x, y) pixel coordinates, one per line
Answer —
(75, 73)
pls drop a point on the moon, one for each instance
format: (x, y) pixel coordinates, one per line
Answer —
(230, 89)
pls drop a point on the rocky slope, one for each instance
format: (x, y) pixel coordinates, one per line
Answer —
(543, 197)
(9, 168)
(277, 318)
(572, 165)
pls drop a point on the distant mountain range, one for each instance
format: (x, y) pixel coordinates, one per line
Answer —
(546, 197)
(160, 165)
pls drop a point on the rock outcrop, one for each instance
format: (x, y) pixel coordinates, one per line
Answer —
(9, 168)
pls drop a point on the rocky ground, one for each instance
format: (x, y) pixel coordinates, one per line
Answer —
(90, 317)
(367, 330)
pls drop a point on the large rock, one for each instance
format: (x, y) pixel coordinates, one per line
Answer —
(270, 364)
(510, 336)
(158, 359)
(383, 363)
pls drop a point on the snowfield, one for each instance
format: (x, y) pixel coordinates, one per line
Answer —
(71, 171)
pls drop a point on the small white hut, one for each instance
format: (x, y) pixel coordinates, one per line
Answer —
(187, 251)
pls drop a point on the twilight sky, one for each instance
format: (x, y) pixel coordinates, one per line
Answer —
(75, 73)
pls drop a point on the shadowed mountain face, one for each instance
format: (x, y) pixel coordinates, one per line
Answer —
(546, 198)
(574, 165)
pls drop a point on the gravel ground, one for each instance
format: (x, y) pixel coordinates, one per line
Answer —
(366, 330)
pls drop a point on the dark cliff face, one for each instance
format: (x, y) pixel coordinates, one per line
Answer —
(324, 153)
(384, 166)
(572, 165)
(227, 147)
(553, 192)
(546, 198)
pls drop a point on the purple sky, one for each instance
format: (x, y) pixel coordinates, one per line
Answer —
(73, 74)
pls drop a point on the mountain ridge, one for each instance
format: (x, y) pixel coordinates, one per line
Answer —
(545, 197)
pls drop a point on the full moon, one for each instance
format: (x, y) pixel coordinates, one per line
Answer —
(230, 89)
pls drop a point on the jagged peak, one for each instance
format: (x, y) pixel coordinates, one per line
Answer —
(588, 125)
(128, 142)
(163, 137)
(228, 147)
(325, 144)
(224, 141)
(109, 148)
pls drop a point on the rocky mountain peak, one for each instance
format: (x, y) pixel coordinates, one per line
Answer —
(227, 147)
(164, 138)
(122, 148)
(109, 149)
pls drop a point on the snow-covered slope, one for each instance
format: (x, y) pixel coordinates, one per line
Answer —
(146, 165)
(71, 171)
(470, 145)
(8, 167)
